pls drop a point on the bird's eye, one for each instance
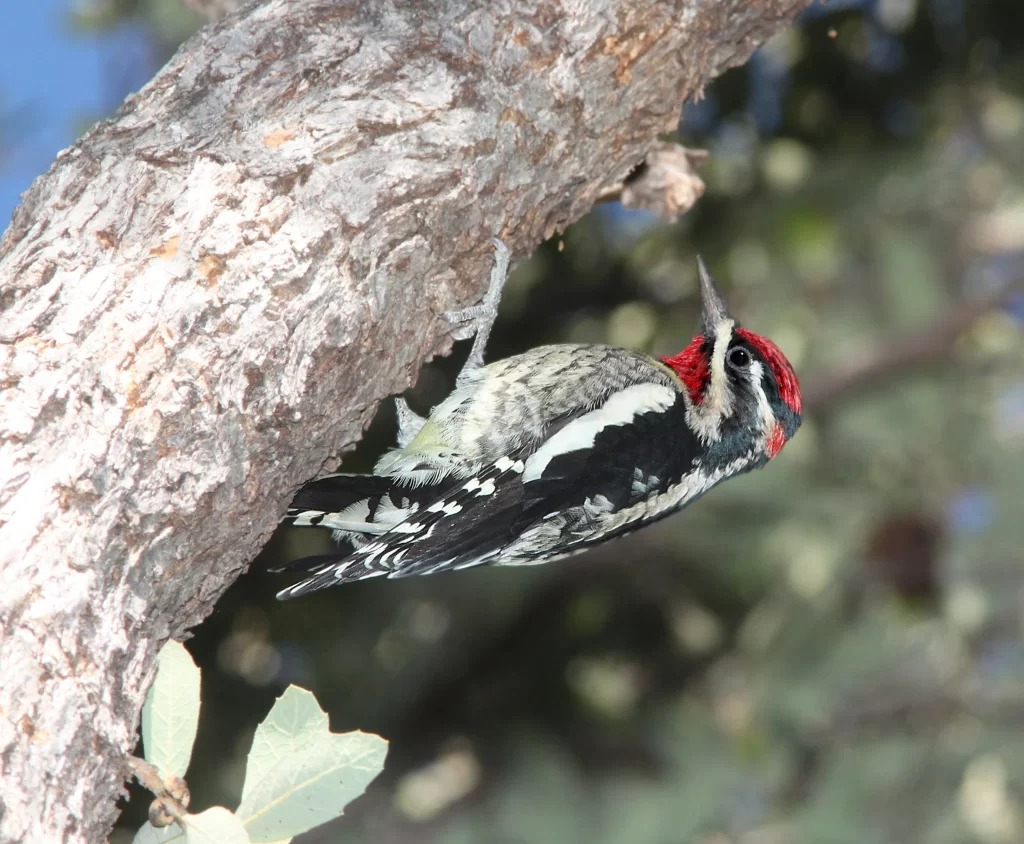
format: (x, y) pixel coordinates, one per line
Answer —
(739, 358)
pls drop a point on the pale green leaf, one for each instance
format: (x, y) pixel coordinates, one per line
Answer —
(170, 716)
(300, 774)
(214, 826)
(150, 834)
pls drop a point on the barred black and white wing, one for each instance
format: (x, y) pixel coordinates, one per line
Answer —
(608, 471)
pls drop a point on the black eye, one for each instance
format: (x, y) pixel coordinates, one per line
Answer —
(739, 358)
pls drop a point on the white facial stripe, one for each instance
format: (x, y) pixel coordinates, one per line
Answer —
(620, 409)
(718, 398)
(764, 408)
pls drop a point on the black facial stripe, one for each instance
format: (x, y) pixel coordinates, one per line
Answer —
(745, 402)
(737, 378)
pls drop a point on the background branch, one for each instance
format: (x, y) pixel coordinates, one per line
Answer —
(903, 352)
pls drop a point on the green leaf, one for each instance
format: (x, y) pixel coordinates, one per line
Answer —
(300, 774)
(214, 826)
(170, 716)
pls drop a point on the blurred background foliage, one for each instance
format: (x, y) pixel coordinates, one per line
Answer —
(829, 650)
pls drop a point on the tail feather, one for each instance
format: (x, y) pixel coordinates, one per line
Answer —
(356, 507)
(325, 570)
(308, 565)
(336, 493)
(462, 525)
(362, 504)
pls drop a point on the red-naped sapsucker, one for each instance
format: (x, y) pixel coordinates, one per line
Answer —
(552, 451)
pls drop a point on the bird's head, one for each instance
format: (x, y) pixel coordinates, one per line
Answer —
(743, 393)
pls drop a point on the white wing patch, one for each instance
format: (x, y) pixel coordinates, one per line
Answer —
(621, 408)
(505, 464)
(442, 506)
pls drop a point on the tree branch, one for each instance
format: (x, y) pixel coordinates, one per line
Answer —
(904, 352)
(208, 295)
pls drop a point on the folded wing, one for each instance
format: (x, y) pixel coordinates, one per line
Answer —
(598, 470)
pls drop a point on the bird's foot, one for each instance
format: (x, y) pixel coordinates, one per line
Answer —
(478, 320)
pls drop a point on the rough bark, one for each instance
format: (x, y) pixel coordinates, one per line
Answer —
(208, 295)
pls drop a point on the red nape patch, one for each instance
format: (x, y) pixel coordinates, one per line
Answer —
(776, 440)
(782, 369)
(692, 367)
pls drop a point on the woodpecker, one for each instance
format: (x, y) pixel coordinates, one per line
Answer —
(550, 452)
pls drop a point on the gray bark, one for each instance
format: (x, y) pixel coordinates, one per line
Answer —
(209, 293)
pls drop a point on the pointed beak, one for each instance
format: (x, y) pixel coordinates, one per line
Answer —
(713, 310)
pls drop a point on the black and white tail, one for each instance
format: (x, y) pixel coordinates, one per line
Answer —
(358, 508)
(399, 530)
